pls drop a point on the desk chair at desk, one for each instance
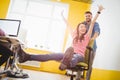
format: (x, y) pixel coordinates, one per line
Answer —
(11, 67)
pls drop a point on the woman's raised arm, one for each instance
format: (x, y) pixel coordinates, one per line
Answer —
(67, 24)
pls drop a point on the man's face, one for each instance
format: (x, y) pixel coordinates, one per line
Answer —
(88, 17)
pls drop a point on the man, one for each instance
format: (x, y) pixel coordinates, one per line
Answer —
(95, 34)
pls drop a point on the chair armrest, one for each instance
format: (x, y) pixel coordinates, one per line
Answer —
(89, 52)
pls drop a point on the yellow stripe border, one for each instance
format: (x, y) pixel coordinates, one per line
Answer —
(100, 74)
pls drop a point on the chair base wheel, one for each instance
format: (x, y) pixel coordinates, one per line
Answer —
(17, 75)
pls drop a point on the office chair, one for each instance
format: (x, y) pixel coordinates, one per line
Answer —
(81, 67)
(11, 68)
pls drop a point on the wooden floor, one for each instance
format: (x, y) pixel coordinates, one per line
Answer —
(35, 75)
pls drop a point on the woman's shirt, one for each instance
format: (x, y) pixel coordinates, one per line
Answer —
(80, 46)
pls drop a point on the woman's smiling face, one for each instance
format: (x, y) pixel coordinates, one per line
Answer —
(82, 29)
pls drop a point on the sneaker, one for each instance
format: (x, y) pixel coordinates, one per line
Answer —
(23, 56)
(65, 63)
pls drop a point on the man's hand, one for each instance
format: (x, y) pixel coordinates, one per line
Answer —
(95, 36)
(100, 8)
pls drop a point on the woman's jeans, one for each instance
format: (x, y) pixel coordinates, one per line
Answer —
(57, 57)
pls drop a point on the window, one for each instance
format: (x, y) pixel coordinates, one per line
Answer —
(41, 24)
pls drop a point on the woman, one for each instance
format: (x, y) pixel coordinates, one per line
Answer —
(74, 54)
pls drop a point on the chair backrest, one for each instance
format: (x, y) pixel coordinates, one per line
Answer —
(88, 52)
(7, 41)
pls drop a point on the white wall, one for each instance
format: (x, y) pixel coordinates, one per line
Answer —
(108, 52)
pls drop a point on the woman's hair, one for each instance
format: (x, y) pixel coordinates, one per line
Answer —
(77, 34)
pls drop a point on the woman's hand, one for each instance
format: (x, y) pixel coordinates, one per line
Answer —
(100, 8)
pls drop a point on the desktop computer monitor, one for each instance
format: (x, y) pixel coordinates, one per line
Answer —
(10, 26)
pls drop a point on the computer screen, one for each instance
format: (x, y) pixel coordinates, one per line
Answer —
(10, 26)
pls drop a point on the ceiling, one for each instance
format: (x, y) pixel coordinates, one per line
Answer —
(85, 1)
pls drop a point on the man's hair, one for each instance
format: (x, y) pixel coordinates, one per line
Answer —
(88, 12)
